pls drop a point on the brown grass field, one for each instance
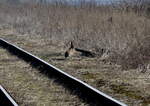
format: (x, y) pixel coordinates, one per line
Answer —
(45, 31)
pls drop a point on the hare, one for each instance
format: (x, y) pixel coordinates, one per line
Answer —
(76, 51)
(70, 51)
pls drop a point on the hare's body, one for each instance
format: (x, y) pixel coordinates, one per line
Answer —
(85, 53)
(70, 52)
(77, 52)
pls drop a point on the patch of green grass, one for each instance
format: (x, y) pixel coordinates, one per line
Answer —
(131, 93)
(123, 89)
(75, 66)
(82, 66)
(49, 55)
(88, 75)
(100, 82)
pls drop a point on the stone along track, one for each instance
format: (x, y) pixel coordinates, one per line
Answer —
(84, 91)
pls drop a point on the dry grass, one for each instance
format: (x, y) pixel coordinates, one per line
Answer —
(127, 34)
(45, 31)
(130, 86)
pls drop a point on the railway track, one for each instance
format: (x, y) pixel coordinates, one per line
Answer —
(80, 88)
(5, 98)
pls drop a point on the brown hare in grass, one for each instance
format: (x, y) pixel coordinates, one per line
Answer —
(72, 51)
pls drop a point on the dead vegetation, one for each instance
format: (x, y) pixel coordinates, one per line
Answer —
(109, 78)
(124, 33)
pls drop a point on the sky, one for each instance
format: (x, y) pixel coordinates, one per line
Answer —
(102, 1)
(74, 1)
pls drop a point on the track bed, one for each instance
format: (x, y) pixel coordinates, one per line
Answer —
(31, 88)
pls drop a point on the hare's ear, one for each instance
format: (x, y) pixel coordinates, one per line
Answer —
(71, 44)
(103, 50)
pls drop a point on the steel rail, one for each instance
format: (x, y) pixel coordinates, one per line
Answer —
(87, 92)
(5, 98)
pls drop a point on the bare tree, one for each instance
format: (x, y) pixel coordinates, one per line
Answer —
(138, 6)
